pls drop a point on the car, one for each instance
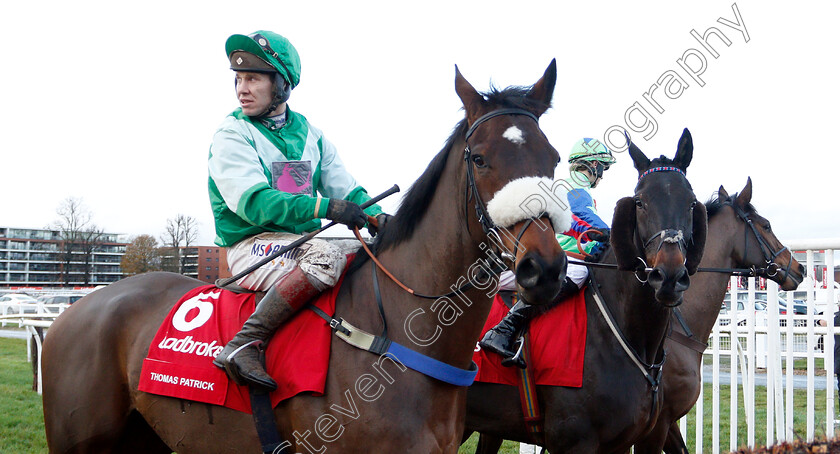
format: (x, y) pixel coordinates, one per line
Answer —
(53, 302)
(799, 307)
(740, 314)
(17, 303)
(61, 299)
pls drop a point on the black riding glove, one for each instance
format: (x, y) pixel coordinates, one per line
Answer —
(602, 235)
(596, 253)
(381, 220)
(347, 213)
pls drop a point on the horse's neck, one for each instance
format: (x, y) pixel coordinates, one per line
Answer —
(703, 298)
(638, 316)
(435, 261)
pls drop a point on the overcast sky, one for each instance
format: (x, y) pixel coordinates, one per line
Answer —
(116, 102)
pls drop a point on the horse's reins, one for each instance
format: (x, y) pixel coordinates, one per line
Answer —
(771, 268)
(490, 228)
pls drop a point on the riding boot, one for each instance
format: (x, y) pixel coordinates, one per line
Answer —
(500, 338)
(282, 300)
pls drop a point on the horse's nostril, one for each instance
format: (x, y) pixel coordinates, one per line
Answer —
(683, 280)
(528, 272)
(802, 270)
(656, 277)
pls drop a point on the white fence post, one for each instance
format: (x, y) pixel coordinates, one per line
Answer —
(760, 341)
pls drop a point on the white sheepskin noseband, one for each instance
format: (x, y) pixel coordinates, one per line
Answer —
(531, 198)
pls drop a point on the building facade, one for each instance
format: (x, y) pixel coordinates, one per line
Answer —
(205, 263)
(38, 258)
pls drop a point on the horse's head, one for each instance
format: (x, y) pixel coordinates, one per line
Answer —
(662, 227)
(760, 247)
(509, 165)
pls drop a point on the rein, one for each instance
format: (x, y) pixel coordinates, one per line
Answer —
(382, 344)
(490, 228)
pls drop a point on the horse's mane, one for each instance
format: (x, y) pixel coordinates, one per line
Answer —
(714, 204)
(416, 200)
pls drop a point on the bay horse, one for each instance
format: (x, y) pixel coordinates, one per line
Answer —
(660, 234)
(739, 238)
(437, 241)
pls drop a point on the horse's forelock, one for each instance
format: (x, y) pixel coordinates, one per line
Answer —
(514, 97)
(714, 204)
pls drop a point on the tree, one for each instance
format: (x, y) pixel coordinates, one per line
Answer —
(79, 238)
(181, 231)
(141, 256)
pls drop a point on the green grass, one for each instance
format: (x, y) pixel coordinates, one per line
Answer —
(799, 417)
(508, 447)
(21, 417)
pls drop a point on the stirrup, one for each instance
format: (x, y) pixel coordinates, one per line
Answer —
(256, 343)
(517, 359)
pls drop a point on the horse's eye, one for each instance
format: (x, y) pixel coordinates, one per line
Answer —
(693, 204)
(767, 227)
(478, 160)
(639, 203)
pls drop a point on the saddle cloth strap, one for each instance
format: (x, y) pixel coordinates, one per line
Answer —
(528, 396)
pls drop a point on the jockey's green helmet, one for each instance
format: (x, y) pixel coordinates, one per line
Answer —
(591, 156)
(274, 52)
(587, 149)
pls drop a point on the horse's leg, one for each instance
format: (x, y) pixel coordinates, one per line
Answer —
(86, 406)
(488, 444)
(139, 438)
(674, 443)
(652, 442)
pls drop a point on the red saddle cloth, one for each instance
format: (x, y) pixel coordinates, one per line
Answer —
(179, 362)
(557, 343)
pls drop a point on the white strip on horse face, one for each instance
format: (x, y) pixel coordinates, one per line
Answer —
(515, 135)
(529, 198)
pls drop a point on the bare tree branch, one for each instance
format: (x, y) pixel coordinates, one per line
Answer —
(79, 238)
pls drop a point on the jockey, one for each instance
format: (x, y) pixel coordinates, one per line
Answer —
(588, 161)
(273, 177)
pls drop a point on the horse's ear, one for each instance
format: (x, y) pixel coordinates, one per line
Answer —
(543, 90)
(623, 232)
(469, 96)
(723, 196)
(685, 151)
(745, 195)
(698, 238)
(640, 161)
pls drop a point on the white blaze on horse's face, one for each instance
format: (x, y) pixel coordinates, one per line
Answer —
(515, 135)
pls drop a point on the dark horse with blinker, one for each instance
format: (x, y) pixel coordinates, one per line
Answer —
(739, 238)
(660, 234)
(94, 351)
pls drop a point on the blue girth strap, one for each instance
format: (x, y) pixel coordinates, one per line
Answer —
(381, 345)
(434, 368)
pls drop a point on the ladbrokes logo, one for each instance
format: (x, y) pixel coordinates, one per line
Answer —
(189, 346)
(186, 319)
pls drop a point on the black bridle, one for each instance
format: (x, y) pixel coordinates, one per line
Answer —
(471, 191)
(487, 224)
(665, 235)
(771, 268)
